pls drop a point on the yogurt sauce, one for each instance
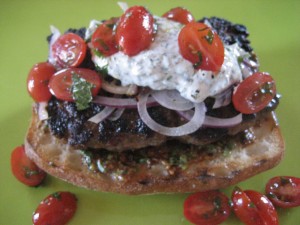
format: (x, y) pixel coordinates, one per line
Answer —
(162, 66)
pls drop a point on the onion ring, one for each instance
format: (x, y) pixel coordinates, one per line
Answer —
(194, 124)
(116, 114)
(215, 122)
(121, 90)
(171, 99)
(102, 115)
(120, 102)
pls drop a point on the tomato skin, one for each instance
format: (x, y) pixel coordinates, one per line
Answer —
(207, 208)
(103, 39)
(254, 93)
(69, 50)
(38, 79)
(284, 191)
(24, 169)
(180, 15)
(61, 82)
(135, 30)
(202, 46)
(253, 208)
(57, 208)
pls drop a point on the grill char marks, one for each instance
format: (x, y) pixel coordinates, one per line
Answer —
(128, 132)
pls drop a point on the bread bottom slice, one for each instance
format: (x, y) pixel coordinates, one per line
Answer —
(171, 168)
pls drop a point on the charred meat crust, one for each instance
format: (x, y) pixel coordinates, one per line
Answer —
(129, 132)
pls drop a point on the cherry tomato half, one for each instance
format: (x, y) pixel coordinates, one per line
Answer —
(103, 39)
(38, 79)
(202, 46)
(253, 208)
(135, 30)
(61, 83)
(207, 208)
(254, 93)
(24, 169)
(69, 50)
(284, 191)
(57, 208)
(180, 15)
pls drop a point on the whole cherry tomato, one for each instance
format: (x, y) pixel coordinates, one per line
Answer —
(253, 208)
(254, 93)
(135, 30)
(24, 169)
(61, 83)
(180, 15)
(38, 79)
(56, 209)
(69, 50)
(207, 208)
(202, 46)
(284, 191)
(103, 39)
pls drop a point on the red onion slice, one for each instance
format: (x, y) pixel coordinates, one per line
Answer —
(116, 114)
(120, 102)
(215, 122)
(121, 90)
(42, 111)
(223, 99)
(102, 115)
(171, 99)
(194, 124)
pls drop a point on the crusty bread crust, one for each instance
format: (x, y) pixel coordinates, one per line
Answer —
(203, 173)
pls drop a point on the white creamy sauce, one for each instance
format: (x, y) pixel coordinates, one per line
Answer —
(162, 67)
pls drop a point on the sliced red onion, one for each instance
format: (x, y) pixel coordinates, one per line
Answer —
(42, 111)
(55, 35)
(215, 122)
(222, 99)
(121, 102)
(116, 114)
(121, 90)
(102, 115)
(171, 99)
(194, 124)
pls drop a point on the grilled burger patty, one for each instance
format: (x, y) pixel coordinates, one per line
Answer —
(129, 131)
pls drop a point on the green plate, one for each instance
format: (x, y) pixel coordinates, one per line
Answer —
(24, 25)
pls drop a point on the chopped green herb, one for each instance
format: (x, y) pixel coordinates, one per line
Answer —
(197, 64)
(217, 203)
(56, 195)
(103, 44)
(209, 37)
(81, 91)
(29, 172)
(251, 205)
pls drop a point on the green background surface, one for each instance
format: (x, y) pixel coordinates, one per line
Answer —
(274, 33)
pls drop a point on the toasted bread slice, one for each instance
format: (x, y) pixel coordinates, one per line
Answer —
(195, 168)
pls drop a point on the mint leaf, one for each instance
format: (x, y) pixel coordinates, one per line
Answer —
(81, 91)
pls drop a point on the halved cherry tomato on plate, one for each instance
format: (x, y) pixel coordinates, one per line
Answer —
(57, 208)
(254, 93)
(69, 50)
(207, 208)
(61, 83)
(253, 208)
(24, 169)
(135, 30)
(202, 46)
(284, 191)
(103, 39)
(180, 15)
(38, 79)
